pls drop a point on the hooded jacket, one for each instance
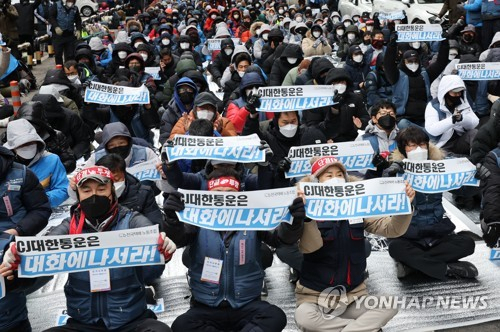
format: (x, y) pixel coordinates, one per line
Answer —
(222, 60)
(487, 137)
(282, 66)
(438, 117)
(226, 127)
(345, 43)
(46, 166)
(312, 46)
(116, 62)
(376, 85)
(357, 71)
(144, 78)
(182, 67)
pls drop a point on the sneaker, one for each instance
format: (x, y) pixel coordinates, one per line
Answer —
(462, 270)
(293, 276)
(264, 292)
(150, 295)
(403, 270)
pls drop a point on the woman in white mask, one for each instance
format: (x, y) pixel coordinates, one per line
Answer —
(316, 42)
(334, 255)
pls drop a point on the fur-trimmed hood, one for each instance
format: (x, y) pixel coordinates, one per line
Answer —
(435, 153)
(254, 27)
(136, 23)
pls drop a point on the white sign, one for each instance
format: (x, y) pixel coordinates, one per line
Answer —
(107, 94)
(419, 32)
(295, 98)
(215, 44)
(153, 71)
(479, 71)
(396, 15)
(145, 171)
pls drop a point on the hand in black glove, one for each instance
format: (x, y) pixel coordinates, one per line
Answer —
(298, 209)
(492, 235)
(393, 40)
(284, 165)
(482, 172)
(168, 144)
(6, 111)
(379, 161)
(174, 202)
(253, 102)
(395, 168)
(456, 117)
(269, 153)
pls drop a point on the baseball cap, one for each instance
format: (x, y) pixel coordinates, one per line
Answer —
(97, 173)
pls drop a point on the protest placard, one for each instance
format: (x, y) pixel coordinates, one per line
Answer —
(107, 94)
(479, 71)
(214, 44)
(435, 176)
(230, 211)
(145, 171)
(49, 255)
(395, 15)
(295, 98)
(243, 149)
(153, 71)
(361, 199)
(419, 32)
(355, 156)
(495, 254)
(2, 287)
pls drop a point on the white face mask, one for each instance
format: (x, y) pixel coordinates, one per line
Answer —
(122, 54)
(358, 58)
(184, 46)
(351, 36)
(340, 88)
(415, 45)
(369, 28)
(289, 130)
(205, 114)
(334, 181)
(452, 56)
(281, 11)
(412, 66)
(144, 56)
(347, 23)
(73, 78)
(265, 36)
(228, 51)
(165, 41)
(418, 154)
(316, 34)
(241, 73)
(136, 45)
(298, 19)
(236, 16)
(213, 17)
(119, 188)
(291, 61)
(27, 152)
(340, 32)
(335, 19)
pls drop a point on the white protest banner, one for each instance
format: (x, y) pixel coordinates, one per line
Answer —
(243, 149)
(157, 308)
(354, 155)
(479, 71)
(2, 287)
(230, 211)
(49, 255)
(436, 176)
(495, 254)
(214, 44)
(145, 171)
(396, 15)
(369, 198)
(153, 71)
(295, 98)
(107, 94)
(419, 32)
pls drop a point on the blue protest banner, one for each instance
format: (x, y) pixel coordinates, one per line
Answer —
(153, 71)
(145, 171)
(2, 287)
(107, 94)
(495, 254)
(419, 32)
(481, 71)
(295, 98)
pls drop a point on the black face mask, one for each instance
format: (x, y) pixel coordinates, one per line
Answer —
(186, 97)
(23, 161)
(122, 151)
(387, 122)
(321, 79)
(95, 206)
(453, 101)
(468, 38)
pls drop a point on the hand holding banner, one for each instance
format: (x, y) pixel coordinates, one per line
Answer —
(145, 171)
(107, 94)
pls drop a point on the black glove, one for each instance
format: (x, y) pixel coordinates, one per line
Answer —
(456, 117)
(379, 161)
(297, 209)
(284, 165)
(168, 144)
(269, 153)
(6, 111)
(482, 172)
(395, 168)
(253, 102)
(174, 202)
(492, 235)
(393, 39)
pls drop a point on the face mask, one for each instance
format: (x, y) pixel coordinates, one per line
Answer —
(184, 46)
(289, 130)
(415, 45)
(236, 17)
(454, 101)
(122, 54)
(340, 88)
(186, 97)
(418, 154)
(119, 188)
(241, 73)
(336, 19)
(299, 19)
(281, 11)
(228, 51)
(412, 66)
(377, 44)
(291, 61)
(205, 114)
(136, 45)
(358, 58)
(347, 23)
(452, 56)
(351, 36)
(334, 181)
(165, 42)
(265, 36)
(122, 151)
(468, 38)
(355, 18)
(387, 122)
(95, 206)
(213, 17)
(27, 152)
(144, 56)
(369, 28)
(316, 34)
(73, 78)
(340, 32)
(135, 68)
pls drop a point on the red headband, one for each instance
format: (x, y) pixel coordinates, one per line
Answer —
(224, 181)
(321, 162)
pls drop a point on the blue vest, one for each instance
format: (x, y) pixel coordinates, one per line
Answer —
(442, 115)
(139, 155)
(342, 259)
(66, 18)
(428, 212)
(123, 303)
(490, 10)
(242, 274)
(373, 139)
(401, 91)
(11, 187)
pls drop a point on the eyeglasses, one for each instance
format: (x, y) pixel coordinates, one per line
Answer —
(384, 113)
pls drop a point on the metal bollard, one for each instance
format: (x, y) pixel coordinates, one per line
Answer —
(51, 50)
(38, 57)
(30, 61)
(16, 95)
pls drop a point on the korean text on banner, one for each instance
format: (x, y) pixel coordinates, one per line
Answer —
(230, 211)
(295, 98)
(243, 149)
(355, 156)
(215, 44)
(153, 71)
(436, 176)
(370, 198)
(49, 255)
(480, 71)
(419, 32)
(145, 171)
(396, 15)
(107, 94)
